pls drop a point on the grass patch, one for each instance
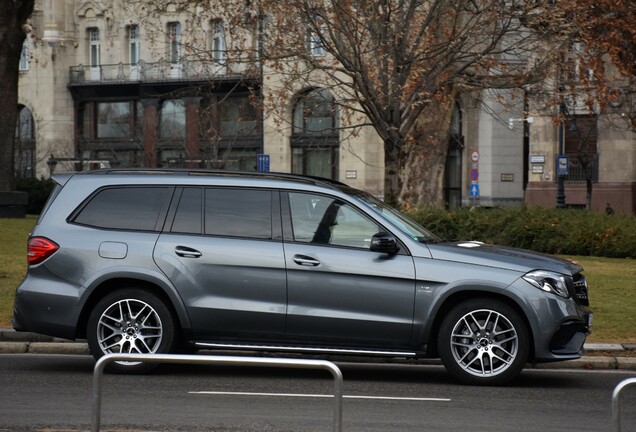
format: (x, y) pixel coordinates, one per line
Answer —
(612, 284)
(14, 234)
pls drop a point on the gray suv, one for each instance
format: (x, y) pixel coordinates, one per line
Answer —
(158, 261)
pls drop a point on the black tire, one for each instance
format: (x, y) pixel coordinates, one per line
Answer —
(483, 342)
(131, 320)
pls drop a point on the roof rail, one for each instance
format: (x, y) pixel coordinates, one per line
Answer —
(223, 173)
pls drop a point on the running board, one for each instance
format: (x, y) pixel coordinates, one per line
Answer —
(305, 349)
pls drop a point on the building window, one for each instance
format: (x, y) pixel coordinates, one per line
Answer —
(238, 117)
(315, 44)
(94, 47)
(24, 56)
(581, 136)
(25, 143)
(113, 119)
(133, 44)
(218, 41)
(574, 71)
(315, 138)
(315, 113)
(174, 42)
(172, 120)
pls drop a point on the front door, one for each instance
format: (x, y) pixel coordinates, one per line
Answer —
(338, 290)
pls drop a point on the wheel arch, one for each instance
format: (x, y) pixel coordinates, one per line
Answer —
(458, 297)
(103, 288)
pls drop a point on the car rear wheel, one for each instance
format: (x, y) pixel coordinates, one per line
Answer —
(130, 321)
(483, 341)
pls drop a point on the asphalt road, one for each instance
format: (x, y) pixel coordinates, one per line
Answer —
(50, 392)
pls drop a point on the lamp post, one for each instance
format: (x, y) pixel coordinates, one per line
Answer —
(51, 162)
(561, 160)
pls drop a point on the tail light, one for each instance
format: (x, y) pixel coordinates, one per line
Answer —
(39, 249)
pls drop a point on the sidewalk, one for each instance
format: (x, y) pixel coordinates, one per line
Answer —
(597, 356)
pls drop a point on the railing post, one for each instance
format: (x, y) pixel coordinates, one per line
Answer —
(616, 403)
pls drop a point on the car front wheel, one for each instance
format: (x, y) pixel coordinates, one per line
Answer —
(130, 321)
(484, 342)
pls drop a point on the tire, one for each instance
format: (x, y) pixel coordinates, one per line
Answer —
(483, 342)
(131, 321)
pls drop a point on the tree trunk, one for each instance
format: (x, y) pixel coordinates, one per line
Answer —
(391, 173)
(421, 160)
(13, 15)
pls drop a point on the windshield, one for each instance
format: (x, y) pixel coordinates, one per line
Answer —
(404, 223)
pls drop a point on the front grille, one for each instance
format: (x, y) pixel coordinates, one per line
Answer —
(580, 290)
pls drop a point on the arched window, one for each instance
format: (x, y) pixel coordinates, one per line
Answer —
(24, 143)
(315, 139)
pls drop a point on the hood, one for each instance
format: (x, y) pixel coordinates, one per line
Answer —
(501, 257)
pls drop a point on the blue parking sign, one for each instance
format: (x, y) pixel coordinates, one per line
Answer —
(263, 163)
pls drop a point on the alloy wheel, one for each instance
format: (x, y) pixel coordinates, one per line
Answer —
(484, 343)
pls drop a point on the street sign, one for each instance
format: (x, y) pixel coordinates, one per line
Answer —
(474, 174)
(474, 156)
(263, 163)
(474, 190)
(562, 165)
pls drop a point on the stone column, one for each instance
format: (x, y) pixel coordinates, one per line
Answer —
(150, 122)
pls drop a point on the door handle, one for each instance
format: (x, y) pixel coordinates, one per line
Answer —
(304, 260)
(187, 252)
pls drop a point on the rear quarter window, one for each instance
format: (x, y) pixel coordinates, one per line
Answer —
(125, 208)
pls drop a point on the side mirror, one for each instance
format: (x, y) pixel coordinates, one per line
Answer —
(384, 242)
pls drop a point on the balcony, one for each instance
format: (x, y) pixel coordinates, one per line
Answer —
(157, 72)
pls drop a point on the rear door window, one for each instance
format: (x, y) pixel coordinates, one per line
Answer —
(238, 213)
(126, 208)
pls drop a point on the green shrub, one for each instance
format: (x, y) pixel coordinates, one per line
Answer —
(38, 189)
(553, 231)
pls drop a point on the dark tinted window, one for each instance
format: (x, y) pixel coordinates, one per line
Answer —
(188, 216)
(129, 208)
(238, 213)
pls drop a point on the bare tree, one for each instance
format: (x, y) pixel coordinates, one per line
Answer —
(13, 17)
(397, 65)
(401, 65)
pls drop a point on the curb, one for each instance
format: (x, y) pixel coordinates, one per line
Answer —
(13, 342)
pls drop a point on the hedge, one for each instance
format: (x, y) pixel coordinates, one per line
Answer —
(38, 189)
(552, 231)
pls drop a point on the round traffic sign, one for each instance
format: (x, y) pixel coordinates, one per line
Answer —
(474, 174)
(474, 156)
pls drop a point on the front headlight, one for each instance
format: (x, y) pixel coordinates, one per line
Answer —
(548, 281)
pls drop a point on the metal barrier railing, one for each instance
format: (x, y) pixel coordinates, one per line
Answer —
(98, 373)
(616, 403)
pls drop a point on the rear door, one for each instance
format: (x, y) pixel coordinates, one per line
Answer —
(222, 249)
(338, 290)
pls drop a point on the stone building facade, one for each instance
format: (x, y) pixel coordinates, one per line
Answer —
(113, 84)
